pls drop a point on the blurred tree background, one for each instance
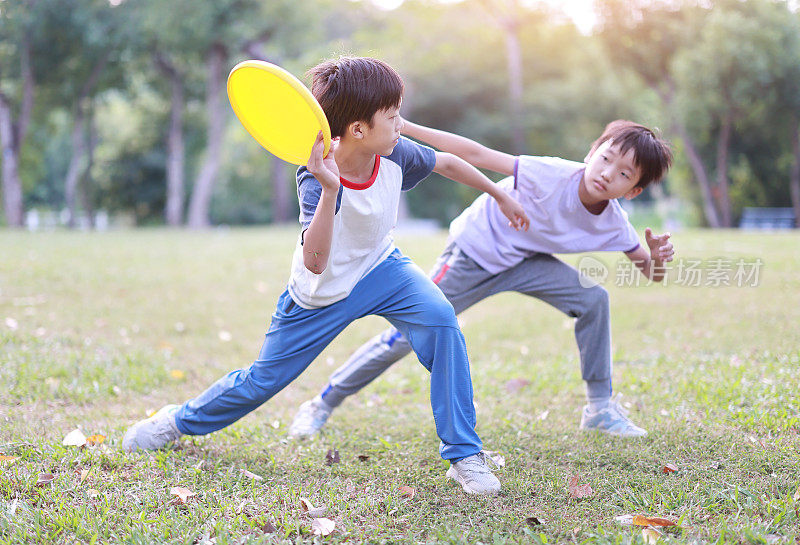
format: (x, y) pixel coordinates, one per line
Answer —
(117, 109)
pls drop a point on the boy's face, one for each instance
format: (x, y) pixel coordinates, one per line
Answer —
(382, 136)
(610, 174)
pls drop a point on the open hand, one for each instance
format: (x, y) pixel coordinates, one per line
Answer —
(660, 247)
(324, 169)
(517, 218)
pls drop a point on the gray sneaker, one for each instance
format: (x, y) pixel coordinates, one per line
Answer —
(612, 420)
(474, 475)
(153, 433)
(310, 418)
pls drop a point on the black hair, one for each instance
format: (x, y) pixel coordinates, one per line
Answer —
(651, 154)
(352, 89)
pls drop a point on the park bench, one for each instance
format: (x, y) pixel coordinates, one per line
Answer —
(767, 218)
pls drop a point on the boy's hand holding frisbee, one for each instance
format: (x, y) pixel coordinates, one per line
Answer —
(324, 169)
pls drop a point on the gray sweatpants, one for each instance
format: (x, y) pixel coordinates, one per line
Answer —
(464, 283)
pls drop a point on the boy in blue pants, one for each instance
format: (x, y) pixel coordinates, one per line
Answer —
(573, 208)
(346, 266)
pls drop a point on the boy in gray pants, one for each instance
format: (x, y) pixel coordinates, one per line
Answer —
(573, 208)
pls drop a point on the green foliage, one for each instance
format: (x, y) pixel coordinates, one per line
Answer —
(654, 62)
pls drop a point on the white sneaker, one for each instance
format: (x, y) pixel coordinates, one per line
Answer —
(612, 419)
(153, 433)
(474, 475)
(310, 418)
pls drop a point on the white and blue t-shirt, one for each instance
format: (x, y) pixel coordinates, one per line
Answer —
(366, 214)
(547, 188)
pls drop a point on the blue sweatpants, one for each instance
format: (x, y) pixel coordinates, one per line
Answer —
(396, 289)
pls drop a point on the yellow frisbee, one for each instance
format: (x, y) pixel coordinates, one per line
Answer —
(277, 110)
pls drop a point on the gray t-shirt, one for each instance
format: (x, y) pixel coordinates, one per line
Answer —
(547, 188)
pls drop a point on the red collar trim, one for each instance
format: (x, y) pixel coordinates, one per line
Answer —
(366, 185)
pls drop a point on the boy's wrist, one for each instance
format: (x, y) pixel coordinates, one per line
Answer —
(497, 193)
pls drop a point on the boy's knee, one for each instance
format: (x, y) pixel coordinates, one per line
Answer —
(439, 312)
(596, 297)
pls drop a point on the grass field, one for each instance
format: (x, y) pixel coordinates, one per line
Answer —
(97, 330)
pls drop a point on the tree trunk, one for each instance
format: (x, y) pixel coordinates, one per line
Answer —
(667, 95)
(173, 209)
(280, 191)
(514, 59)
(700, 174)
(77, 161)
(723, 143)
(204, 184)
(85, 183)
(75, 166)
(11, 138)
(26, 106)
(12, 185)
(794, 173)
(506, 15)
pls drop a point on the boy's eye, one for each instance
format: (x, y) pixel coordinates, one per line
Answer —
(625, 174)
(604, 158)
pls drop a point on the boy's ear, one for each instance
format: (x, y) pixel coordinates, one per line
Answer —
(633, 193)
(356, 129)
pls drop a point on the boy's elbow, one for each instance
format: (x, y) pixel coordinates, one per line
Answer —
(444, 164)
(316, 266)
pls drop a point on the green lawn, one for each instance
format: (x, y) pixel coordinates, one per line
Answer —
(97, 330)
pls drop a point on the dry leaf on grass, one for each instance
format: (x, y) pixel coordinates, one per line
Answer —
(322, 526)
(181, 494)
(84, 474)
(625, 520)
(797, 495)
(332, 457)
(639, 520)
(268, 528)
(363, 457)
(92, 493)
(407, 492)
(309, 509)
(534, 521)
(496, 457)
(579, 491)
(75, 438)
(7, 459)
(651, 535)
(252, 475)
(669, 468)
(317, 511)
(177, 374)
(44, 478)
(94, 440)
(516, 384)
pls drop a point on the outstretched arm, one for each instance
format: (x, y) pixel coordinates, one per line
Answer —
(650, 260)
(472, 152)
(458, 170)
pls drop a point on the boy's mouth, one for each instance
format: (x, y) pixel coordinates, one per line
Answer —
(599, 186)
